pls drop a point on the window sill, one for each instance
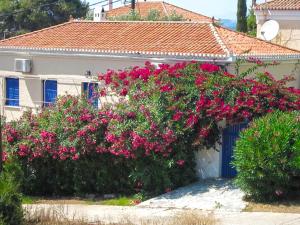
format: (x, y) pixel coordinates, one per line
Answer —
(12, 107)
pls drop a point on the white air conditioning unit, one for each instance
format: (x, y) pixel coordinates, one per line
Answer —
(23, 65)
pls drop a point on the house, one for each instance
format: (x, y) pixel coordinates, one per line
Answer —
(143, 8)
(287, 14)
(37, 67)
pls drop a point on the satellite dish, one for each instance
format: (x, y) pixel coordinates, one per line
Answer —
(269, 30)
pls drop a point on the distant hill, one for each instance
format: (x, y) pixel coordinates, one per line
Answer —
(231, 24)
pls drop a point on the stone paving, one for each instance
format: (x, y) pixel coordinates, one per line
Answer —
(212, 195)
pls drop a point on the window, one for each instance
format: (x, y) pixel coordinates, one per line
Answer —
(90, 91)
(49, 92)
(12, 92)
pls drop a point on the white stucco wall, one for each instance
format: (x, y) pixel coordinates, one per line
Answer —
(69, 71)
(289, 26)
(208, 163)
(291, 67)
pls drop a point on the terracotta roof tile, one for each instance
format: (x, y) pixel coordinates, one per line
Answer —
(164, 8)
(242, 44)
(200, 40)
(280, 5)
(123, 36)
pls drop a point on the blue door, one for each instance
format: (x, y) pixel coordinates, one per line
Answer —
(230, 135)
(49, 92)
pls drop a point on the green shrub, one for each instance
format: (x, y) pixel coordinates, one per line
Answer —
(267, 157)
(93, 174)
(10, 199)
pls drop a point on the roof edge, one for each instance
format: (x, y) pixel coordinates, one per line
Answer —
(219, 39)
(265, 6)
(114, 52)
(147, 55)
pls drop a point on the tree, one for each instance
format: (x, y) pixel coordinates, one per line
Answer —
(251, 23)
(242, 16)
(21, 16)
(153, 15)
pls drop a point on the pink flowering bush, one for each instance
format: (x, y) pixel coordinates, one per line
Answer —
(59, 150)
(146, 141)
(183, 104)
(165, 113)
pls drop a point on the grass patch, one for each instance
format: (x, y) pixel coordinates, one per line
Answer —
(123, 201)
(29, 200)
(120, 201)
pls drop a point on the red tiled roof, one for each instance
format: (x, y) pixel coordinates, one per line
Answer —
(176, 39)
(280, 5)
(164, 8)
(240, 43)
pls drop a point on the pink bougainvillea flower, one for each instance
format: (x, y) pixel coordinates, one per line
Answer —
(103, 93)
(124, 92)
(227, 74)
(126, 82)
(193, 119)
(200, 80)
(4, 156)
(204, 132)
(166, 88)
(177, 116)
(211, 68)
(246, 114)
(180, 162)
(122, 75)
(75, 157)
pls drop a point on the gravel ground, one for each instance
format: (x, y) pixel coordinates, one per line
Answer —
(212, 195)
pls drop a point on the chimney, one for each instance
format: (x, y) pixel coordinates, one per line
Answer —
(110, 4)
(133, 4)
(99, 14)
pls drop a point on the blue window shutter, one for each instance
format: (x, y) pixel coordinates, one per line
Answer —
(85, 89)
(90, 91)
(12, 92)
(49, 92)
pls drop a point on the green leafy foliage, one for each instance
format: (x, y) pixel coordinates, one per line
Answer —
(22, 16)
(267, 157)
(251, 23)
(153, 15)
(10, 198)
(133, 15)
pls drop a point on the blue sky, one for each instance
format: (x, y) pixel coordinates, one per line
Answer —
(225, 9)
